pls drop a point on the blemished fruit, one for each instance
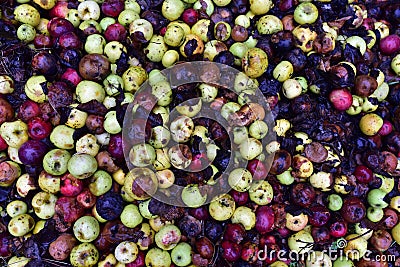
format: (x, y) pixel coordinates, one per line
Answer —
(173, 133)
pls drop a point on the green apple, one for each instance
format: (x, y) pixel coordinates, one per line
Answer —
(113, 51)
(168, 237)
(182, 254)
(317, 259)
(55, 162)
(86, 229)
(396, 233)
(375, 198)
(62, 137)
(395, 203)
(192, 196)
(240, 179)
(375, 214)
(84, 255)
(301, 242)
(222, 207)
(100, 183)
(335, 202)
(130, 216)
(286, 177)
(365, 232)
(244, 216)
(14, 133)
(126, 252)
(144, 210)
(82, 166)
(43, 204)
(156, 257)
(305, 13)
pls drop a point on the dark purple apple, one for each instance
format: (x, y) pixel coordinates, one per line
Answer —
(115, 147)
(59, 26)
(32, 152)
(115, 32)
(112, 8)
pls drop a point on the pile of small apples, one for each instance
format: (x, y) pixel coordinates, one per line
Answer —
(61, 150)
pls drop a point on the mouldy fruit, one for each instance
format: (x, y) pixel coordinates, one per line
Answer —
(133, 78)
(193, 46)
(158, 257)
(140, 183)
(94, 67)
(254, 62)
(168, 237)
(21, 224)
(240, 179)
(370, 124)
(222, 207)
(49, 183)
(261, 192)
(35, 88)
(14, 133)
(26, 13)
(126, 252)
(43, 204)
(86, 229)
(61, 248)
(16, 207)
(84, 255)
(301, 242)
(89, 10)
(269, 24)
(55, 162)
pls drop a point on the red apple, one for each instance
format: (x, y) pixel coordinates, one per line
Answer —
(59, 10)
(341, 99)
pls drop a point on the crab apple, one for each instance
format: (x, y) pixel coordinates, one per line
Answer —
(112, 8)
(386, 128)
(42, 41)
(363, 174)
(115, 32)
(59, 10)
(72, 76)
(257, 169)
(28, 110)
(190, 16)
(265, 219)
(70, 186)
(59, 26)
(32, 152)
(338, 229)
(341, 99)
(38, 128)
